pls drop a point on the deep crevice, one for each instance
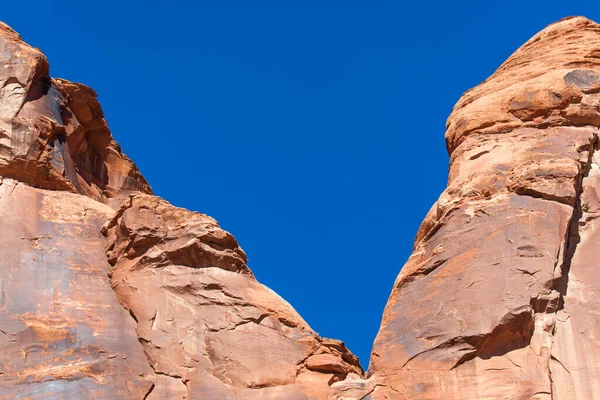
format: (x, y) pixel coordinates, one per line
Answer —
(572, 240)
(150, 390)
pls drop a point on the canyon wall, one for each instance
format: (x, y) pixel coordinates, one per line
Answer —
(110, 292)
(499, 298)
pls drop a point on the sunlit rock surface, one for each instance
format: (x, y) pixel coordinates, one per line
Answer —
(209, 329)
(109, 292)
(499, 299)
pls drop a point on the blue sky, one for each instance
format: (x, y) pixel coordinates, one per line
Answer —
(313, 131)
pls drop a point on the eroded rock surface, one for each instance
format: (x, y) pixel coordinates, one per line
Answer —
(210, 330)
(53, 134)
(499, 299)
(63, 333)
(162, 306)
(108, 292)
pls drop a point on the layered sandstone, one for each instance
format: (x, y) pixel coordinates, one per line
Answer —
(499, 298)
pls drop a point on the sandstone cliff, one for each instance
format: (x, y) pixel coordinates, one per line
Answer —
(499, 299)
(109, 292)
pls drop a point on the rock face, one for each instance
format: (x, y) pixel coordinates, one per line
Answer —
(499, 299)
(63, 333)
(209, 329)
(109, 292)
(53, 134)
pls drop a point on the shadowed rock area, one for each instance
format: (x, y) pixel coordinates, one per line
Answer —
(109, 292)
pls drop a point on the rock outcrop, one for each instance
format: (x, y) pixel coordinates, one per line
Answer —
(499, 299)
(109, 292)
(209, 329)
(53, 134)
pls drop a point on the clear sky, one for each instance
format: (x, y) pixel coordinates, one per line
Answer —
(313, 132)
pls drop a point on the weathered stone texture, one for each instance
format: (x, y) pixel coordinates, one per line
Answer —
(498, 299)
(163, 307)
(63, 333)
(210, 330)
(53, 134)
(108, 292)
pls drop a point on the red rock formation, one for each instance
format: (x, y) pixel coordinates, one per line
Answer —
(63, 333)
(499, 298)
(108, 292)
(165, 307)
(53, 134)
(209, 329)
